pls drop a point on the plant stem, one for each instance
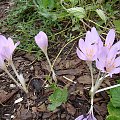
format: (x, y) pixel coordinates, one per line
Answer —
(107, 88)
(22, 81)
(13, 79)
(99, 82)
(52, 70)
(92, 93)
(13, 67)
(91, 73)
(63, 48)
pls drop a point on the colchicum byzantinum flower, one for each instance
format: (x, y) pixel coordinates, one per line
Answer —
(106, 58)
(87, 50)
(88, 116)
(7, 48)
(41, 40)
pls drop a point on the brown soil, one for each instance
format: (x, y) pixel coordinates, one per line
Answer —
(34, 105)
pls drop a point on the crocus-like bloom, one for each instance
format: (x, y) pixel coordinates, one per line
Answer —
(88, 116)
(41, 40)
(7, 47)
(88, 49)
(110, 38)
(107, 61)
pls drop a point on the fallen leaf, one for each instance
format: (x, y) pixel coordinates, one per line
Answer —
(70, 109)
(42, 108)
(4, 97)
(85, 79)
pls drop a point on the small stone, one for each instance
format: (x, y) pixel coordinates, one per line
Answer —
(12, 85)
(31, 68)
(63, 116)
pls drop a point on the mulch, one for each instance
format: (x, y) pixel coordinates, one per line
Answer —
(35, 103)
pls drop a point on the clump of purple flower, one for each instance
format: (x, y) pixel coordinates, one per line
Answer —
(7, 48)
(107, 61)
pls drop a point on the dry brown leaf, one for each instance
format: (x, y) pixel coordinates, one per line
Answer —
(4, 96)
(70, 109)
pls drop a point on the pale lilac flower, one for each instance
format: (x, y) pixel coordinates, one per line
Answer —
(117, 46)
(88, 49)
(107, 61)
(41, 40)
(7, 47)
(88, 116)
(110, 38)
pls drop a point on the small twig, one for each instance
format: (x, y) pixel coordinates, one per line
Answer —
(69, 80)
(63, 49)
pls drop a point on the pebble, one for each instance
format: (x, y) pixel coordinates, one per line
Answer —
(12, 85)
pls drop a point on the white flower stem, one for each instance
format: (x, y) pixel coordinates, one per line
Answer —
(18, 76)
(13, 78)
(107, 88)
(99, 82)
(92, 93)
(52, 70)
(91, 72)
(92, 98)
(13, 67)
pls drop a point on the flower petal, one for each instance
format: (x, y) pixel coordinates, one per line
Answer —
(11, 45)
(41, 40)
(117, 46)
(3, 41)
(111, 55)
(86, 117)
(117, 62)
(110, 38)
(81, 55)
(88, 39)
(81, 117)
(114, 71)
(101, 59)
(96, 37)
(82, 45)
(6, 53)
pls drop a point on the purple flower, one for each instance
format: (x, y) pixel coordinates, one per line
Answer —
(107, 61)
(88, 116)
(110, 38)
(7, 47)
(41, 40)
(88, 49)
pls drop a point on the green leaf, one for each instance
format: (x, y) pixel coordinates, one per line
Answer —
(58, 97)
(117, 25)
(113, 111)
(74, 2)
(115, 96)
(78, 12)
(101, 15)
(45, 4)
(54, 105)
(110, 117)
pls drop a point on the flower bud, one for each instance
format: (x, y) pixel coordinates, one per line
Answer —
(41, 40)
